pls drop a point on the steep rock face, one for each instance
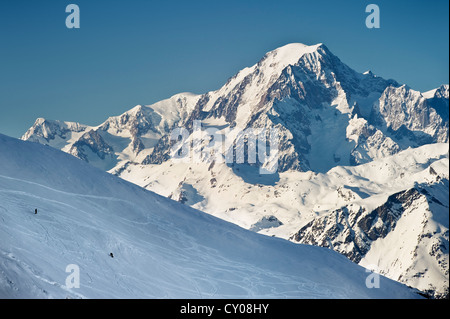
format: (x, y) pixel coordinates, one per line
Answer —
(92, 141)
(160, 152)
(47, 131)
(358, 234)
(137, 145)
(370, 142)
(351, 229)
(439, 101)
(266, 222)
(138, 121)
(407, 114)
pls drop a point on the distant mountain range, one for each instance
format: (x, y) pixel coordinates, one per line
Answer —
(362, 161)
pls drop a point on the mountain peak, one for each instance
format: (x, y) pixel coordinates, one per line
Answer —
(39, 121)
(298, 47)
(44, 130)
(135, 110)
(289, 54)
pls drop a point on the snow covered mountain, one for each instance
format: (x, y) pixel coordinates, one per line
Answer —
(327, 115)
(294, 201)
(120, 139)
(413, 220)
(348, 142)
(161, 248)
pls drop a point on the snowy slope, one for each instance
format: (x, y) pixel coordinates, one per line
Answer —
(296, 201)
(406, 238)
(422, 231)
(243, 196)
(161, 248)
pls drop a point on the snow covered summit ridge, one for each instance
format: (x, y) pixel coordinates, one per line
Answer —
(306, 92)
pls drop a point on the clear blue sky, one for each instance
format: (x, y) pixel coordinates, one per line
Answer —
(141, 51)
